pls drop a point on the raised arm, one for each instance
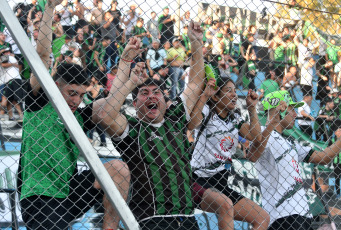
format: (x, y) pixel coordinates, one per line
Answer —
(251, 131)
(258, 146)
(44, 40)
(197, 71)
(196, 114)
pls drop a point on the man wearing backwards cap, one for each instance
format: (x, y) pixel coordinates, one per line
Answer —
(277, 164)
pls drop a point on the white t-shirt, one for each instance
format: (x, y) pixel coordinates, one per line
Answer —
(216, 145)
(306, 108)
(131, 24)
(11, 41)
(337, 67)
(304, 52)
(66, 17)
(306, 76)
(151, 57)
(10, 72)
(280, 180)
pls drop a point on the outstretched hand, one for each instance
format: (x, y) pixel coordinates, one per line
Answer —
(251, 99)
(139, 74)
(132, 49)
(195, 32)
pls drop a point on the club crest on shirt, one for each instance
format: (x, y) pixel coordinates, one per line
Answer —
(226, 143)
(154, 136)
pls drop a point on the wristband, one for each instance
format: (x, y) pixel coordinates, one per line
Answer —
(126, 60)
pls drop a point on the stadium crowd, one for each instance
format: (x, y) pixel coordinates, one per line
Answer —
(119, 54)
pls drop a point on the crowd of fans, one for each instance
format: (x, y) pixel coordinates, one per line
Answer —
(94, 40)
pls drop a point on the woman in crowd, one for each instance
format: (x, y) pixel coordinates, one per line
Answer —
(217, 140)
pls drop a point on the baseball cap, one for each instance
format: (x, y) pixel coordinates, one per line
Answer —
(212, 72)
(175, 39)
(166, 7)
(273, 99)
(68, 53)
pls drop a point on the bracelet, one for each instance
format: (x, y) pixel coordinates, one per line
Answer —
(126, 60)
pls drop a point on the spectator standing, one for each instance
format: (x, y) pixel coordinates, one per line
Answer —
(185, 42)
(324, 74)
(211, 32)
(279, 55)
(116, 13)
(97, 58)
(12, 91)
(291, 51)
(156, 57)
(176, 57)
(129, 21)
(290, 79)
(307, 73)
(186, 19)
(153, 27)
(78, 9)
(109, 30)
(305, 119)
(66, 13)
(166, 25)
(3, 43)
(251, 67)
(305, 50)
(331, 52)
(218, 44)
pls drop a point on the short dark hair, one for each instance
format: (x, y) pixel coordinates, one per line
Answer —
(148, 82)
(71, 74)
(106, 38)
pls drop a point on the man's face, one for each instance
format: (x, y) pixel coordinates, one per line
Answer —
(2, 37)
(305, 42)
(68, 59)
(153, 15)
(156, 45)
(288, 121)
(293, 71)
(73, 94)
(332, 41)
(176, 44)
(330, 105)
(106, 43)
(166, 11)
(150, 104)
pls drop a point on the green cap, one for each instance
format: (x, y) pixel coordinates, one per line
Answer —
(273, 99)
(212, 72)
(68, 53)
(219, 35)
(166, 7)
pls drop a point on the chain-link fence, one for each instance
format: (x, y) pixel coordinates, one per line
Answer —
(206, 115)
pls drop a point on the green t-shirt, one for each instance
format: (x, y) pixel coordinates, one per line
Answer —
(57, 45)
(101, 53)
(6, 45)
(280, 56)
(269, 86)
(291, 54)
(159, 160)
(48, 155)
(332, 55)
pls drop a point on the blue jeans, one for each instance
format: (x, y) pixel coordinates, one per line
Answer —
(176, 74)
(112, 53)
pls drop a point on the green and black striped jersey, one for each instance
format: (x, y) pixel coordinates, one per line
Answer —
(158, 158)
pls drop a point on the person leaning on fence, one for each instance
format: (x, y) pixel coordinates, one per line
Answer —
(161, 175)
(52, 191)
(277, 158)
(220, 127)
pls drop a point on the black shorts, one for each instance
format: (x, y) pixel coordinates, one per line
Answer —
(220, 181)
(42, 212)
(13, 90)
(294, 222)
(170, 223)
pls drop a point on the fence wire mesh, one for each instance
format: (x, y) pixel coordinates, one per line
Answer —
(206, 115)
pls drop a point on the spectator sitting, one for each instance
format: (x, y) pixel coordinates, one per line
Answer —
(290, 79)
(3, 43)
(269, 85)
(306, 80)
(166, 25)
(304, 117)
(12, 92)
(153, 27)
(156, 57)
(176, 57)
(69, 45)
(226, 63)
